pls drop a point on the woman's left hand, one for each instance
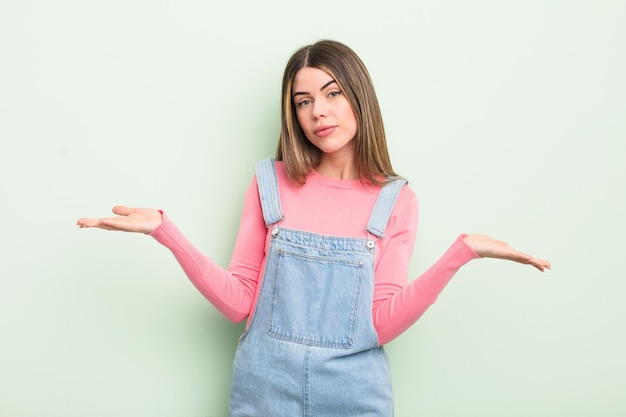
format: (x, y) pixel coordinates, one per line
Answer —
(487, 247)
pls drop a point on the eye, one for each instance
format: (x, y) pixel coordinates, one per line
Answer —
(303, 103)
(334, 93)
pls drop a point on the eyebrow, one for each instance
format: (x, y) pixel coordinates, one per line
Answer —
(321, 89)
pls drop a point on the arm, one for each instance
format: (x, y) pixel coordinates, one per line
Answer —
(397, 305)
(231, 291)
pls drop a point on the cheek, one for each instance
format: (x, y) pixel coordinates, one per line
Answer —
(301, 119)
(350, 118)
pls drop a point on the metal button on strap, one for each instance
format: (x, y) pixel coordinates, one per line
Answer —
(275, 231)
(370, 244)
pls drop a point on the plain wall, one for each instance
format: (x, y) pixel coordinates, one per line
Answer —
(507, 118)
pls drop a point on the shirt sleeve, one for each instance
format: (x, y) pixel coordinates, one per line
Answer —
(398, 305)
(231, 290)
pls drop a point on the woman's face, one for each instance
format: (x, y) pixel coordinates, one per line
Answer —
(324, 113)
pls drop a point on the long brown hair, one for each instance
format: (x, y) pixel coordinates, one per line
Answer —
(343, 64)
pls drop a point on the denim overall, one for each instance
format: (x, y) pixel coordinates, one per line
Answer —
(311, 349)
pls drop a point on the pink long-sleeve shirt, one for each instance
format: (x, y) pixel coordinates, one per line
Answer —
(330, 207)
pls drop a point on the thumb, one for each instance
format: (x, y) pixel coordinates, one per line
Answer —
(122, 210)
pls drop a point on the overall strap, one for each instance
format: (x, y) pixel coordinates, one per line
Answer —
(268, 191)
(384, 206)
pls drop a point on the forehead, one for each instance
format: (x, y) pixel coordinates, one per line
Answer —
(310, 78)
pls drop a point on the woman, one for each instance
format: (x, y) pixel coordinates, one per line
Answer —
(320, 264)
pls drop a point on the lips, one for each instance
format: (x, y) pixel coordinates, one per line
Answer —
(323, 131)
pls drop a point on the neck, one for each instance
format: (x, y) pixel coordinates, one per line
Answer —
(339, 168)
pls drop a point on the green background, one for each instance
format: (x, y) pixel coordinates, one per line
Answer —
(507, 118)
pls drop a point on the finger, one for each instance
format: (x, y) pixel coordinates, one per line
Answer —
(122, 210)
(517, 256)
(96, 223)
(118, 223)
(540, 264)
(105, 226)
(85, 222)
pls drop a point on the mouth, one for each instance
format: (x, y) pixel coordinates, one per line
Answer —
(322, 131)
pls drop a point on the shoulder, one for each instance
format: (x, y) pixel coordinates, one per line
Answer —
(405, 212)
(270, 164)
(264, 177)
(407, 198)
(266, 169)
(281, 171)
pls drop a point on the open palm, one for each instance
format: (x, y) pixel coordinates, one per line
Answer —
(127, 219)
(487, 247)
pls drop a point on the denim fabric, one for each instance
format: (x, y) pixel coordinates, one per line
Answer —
(270, 200)
(311, 349)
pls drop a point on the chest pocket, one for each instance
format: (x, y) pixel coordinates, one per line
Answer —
(315, 300)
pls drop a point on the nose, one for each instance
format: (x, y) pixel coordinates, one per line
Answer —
(319, 108)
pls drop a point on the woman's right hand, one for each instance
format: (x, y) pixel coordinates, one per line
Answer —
(128, 219)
